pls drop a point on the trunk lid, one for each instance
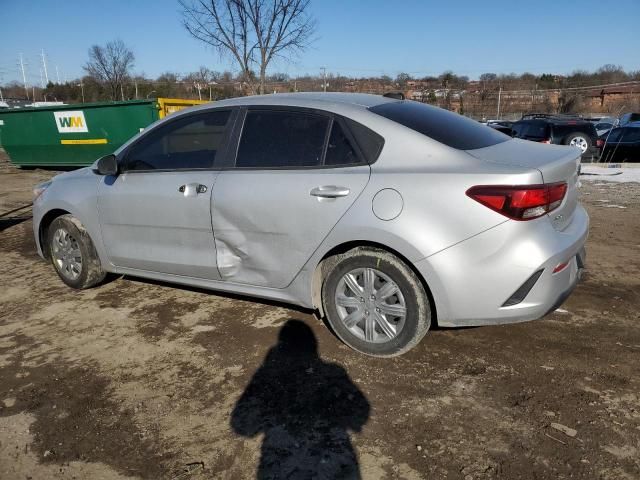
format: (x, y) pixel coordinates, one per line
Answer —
(555, 163)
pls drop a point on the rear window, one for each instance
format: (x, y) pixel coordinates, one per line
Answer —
(531, 129)
(446, 127)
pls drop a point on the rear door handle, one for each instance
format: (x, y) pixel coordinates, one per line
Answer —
(329, 191)
(192, 189)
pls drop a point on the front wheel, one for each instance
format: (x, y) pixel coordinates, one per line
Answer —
(72, 253)
(375, 303)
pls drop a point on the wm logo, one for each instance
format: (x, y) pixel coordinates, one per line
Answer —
(71, 122)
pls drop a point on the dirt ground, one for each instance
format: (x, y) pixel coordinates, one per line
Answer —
(136, 379)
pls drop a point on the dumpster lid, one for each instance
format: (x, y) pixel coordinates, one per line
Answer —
(79, 106)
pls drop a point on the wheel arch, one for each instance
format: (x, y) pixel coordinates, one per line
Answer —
(45, 223)
(325, 263)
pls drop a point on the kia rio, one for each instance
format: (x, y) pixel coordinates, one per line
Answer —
(384, 215)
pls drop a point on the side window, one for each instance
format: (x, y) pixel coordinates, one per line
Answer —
(339, 150)
(183, 144)
(282, 139)
(370, 142)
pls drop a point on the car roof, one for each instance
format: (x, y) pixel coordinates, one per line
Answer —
(310, 99)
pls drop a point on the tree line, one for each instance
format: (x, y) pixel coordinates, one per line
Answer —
(209, 84)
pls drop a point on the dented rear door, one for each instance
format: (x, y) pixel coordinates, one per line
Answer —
(267, 224)
(272, 211)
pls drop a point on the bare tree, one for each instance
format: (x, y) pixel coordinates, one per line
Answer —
(110, 64)
(252, 32)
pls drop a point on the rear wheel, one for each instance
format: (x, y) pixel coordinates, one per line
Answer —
(375, 303)
(579, 140)
(72, 253)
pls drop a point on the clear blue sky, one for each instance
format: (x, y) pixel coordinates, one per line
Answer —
(360, 38)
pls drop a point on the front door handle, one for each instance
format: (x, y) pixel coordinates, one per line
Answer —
(329, 191)
(192, 189)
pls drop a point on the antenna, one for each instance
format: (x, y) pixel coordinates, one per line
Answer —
(24, 77)
(44, 64)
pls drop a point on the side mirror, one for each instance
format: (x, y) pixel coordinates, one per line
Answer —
(108, 165)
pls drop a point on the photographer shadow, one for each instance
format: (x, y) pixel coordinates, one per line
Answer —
(305, 408)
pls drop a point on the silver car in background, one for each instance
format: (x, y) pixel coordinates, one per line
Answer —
(385, 215)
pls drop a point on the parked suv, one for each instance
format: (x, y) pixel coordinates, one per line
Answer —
(559, 130)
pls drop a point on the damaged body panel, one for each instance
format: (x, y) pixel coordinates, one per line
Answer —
(267, 224)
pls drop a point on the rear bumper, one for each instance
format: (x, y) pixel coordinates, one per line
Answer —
(472, 282)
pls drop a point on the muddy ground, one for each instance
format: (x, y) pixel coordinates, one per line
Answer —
(137, 379)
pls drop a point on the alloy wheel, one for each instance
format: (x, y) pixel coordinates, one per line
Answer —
(579, 142)
(370, 305)
(66, 254)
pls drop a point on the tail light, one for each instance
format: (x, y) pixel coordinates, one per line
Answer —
(548, 140)
(599, 143)
(520, 202)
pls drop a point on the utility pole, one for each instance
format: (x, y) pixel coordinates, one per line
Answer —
(42, 84)
(499, 95)
(24, 78)
(324, 79)
(44, 64)
(135, 82)
(81, 85)
(57, 74)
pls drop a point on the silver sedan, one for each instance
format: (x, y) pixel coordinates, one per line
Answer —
(384, 215)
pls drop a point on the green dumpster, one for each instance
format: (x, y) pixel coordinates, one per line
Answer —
(77, 135)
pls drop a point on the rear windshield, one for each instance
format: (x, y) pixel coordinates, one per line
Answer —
(534, 129)
(446, 127)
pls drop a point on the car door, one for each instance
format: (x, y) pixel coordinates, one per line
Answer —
(156, 214)
(296, 173)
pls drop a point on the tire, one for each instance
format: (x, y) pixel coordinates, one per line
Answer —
(391, 335)
(72, 253)
(580, 140)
